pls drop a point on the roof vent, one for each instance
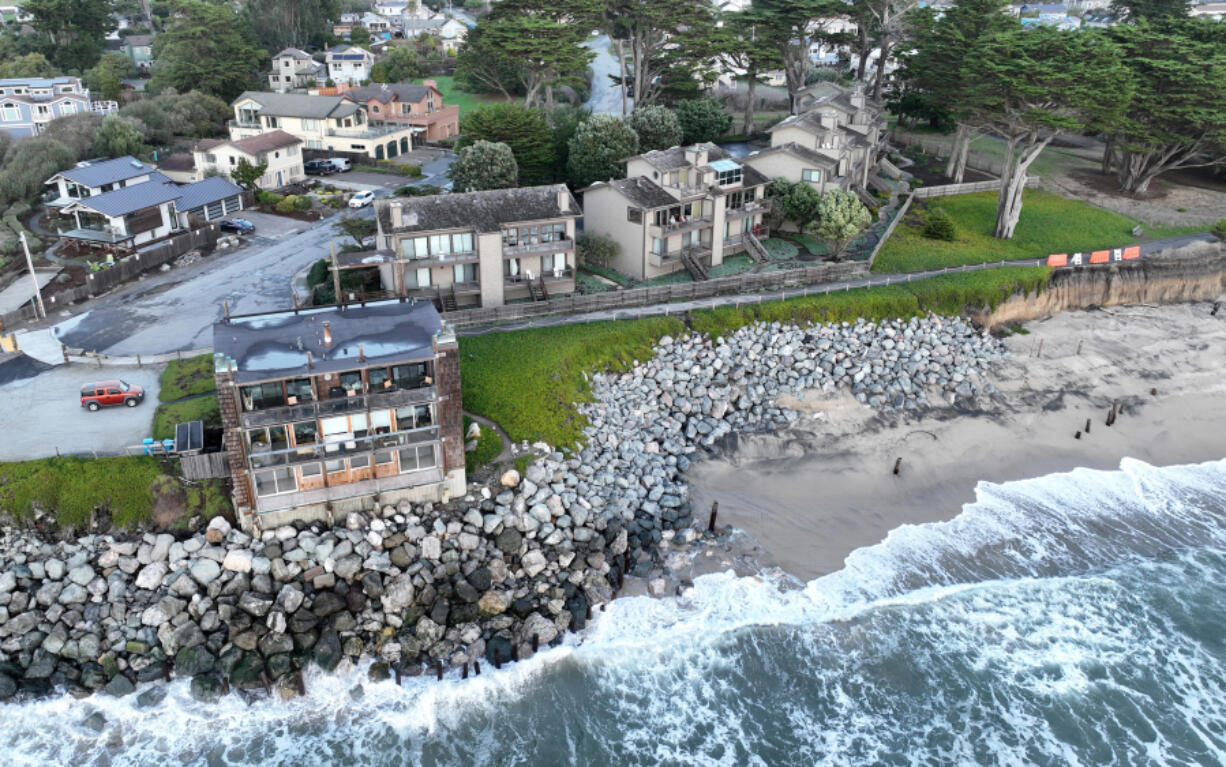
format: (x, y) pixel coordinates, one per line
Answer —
(137, 164)
(327, 334)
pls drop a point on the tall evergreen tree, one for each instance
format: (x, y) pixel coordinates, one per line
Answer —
(290, 23)
(742, 47)
(797, 26)
(524, 130)
(205, 47)
(1027, 86)
(73, 32)
(662, 37)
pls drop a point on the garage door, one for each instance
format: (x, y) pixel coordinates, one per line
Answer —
(233, 203)
(212, 210)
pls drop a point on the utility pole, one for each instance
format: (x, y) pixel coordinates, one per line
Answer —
(38, 294)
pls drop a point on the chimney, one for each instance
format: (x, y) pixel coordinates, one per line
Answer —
(827, 117)
(696, 155)
(430, 84)
(327, 334)
(563, 198)
(857, 97)
(397, 211)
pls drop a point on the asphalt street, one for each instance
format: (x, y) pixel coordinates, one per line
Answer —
(175, 310)
(606, 96)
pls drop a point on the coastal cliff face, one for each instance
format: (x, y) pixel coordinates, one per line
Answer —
(1192, 273)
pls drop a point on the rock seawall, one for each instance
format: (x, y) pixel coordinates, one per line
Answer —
(1194, 272)
(490, 577)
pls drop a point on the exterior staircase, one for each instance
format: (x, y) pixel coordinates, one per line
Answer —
(446, 299)
(755, 248)
(537, 289)
(697, 271)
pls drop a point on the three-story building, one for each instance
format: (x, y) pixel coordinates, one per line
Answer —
(27, 104)
(690, 204)
(475, 248)
(332, 123)
(338, 409)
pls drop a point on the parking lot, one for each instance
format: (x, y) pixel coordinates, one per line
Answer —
(45, 413)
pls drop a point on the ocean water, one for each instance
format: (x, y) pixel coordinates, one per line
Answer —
(1074, 619)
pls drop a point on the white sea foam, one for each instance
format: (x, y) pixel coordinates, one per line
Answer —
(1005, 635)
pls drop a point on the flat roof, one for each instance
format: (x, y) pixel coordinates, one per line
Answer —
(263, 347)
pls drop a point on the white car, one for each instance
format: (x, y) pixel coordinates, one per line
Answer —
(361, 199)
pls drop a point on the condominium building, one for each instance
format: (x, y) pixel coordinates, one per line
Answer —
(332, 410)
(475, 248)
(679, 208)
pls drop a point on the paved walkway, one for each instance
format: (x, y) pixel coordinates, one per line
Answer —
(681, 307)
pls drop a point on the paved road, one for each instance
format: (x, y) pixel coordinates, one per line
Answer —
(176, 310)
(606, 96)
(50, 417)
(680, 307)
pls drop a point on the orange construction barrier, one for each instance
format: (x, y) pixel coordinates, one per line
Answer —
(1100, 257)
(1131, 253)
(1057, 259)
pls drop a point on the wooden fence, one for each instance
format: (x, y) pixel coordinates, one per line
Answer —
(980, 162)
(660, 294)
(967, 188)
(151, 258)
(204, 466)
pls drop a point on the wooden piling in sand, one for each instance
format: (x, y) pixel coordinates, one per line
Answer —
(897, 465)
(438, 669)
(714, 515)
(1077, 435)
(1087, 429)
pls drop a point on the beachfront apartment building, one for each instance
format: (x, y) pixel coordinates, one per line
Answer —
(475, 248)
(834, 143)
(420, 106)
(678, 208)
(330, 123)
(349, 64)
(278, 149)
(339, 409)
(294, 69)
(27, 104)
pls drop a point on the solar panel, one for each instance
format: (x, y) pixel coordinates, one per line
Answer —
(189, 437)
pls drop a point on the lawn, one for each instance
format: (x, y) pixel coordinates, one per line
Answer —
(188, 377)
(1049, 224)
(203, 408)
(489, 445)
(530, 381)
(732, 266)
(452, 94)
(74, 486)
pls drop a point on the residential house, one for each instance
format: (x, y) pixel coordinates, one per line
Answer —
(420, 106)
(332, 123)
(349, 64)
(278, 149)
(1215, 11)
(450, 32)
(328, 411)
(293, 69)
(376, 24)
(90, 178)
(12, 15)
(128, 217)
(179, 167)
(798, 163)
(679, 208)
(475, 248)
(838, 123)
(27, 104)
(139, 48)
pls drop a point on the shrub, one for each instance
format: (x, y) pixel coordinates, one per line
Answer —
(1219, 229)
(286, 204)
(410, 170)
(319, 273)
(939, 226)
(302, 203)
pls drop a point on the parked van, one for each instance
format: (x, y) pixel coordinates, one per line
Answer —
(340, 163)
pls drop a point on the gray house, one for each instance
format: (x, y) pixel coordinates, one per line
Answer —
(27, 104)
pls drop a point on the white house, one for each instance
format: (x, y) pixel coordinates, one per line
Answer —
(349, 64)
(334, 123)
(293, 69)
(90, 178)
(278, 149)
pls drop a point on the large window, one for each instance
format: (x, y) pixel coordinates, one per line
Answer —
(554, 262)
(729, 177)
(634, 215)
(811, 175)
(462, 242)
(10, 113)
(275, 481)
(261, 396)
(263, 440)
(414, 417)
(306, 433)
(440, 244)
(299, 390)
(417, 458)
(465, 273)
(410, 376)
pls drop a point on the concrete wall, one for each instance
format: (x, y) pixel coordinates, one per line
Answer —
(605, 213)
(489, 247)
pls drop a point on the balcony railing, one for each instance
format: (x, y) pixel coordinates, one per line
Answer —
(530, 248)
(550, 276)
(243, 124)
(689, 190)
(275, 416)
(367, 131)
(685, 225)
(748, 209)
(441, 259)
(327, 451)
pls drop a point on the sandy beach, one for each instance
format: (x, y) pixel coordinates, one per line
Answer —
(815, 493)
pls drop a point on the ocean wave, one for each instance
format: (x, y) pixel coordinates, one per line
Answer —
(1070, 619)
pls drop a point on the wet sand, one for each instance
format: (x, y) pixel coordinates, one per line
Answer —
(826, 487)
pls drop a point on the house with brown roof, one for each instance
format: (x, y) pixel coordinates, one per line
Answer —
(420, 106)
(330, 123)
(281, 151)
